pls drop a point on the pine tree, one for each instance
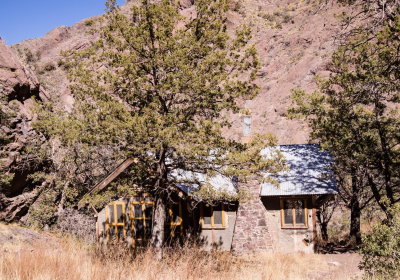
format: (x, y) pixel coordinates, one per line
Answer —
(355, 114)
(159, 86)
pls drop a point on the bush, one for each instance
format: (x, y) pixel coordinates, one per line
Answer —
(49, 66)
(381, 250)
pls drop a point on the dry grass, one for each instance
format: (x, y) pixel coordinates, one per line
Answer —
(75, 261)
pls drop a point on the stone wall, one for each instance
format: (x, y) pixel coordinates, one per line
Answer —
(251, 230)
(258, 226)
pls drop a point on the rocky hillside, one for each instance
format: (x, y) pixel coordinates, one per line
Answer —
(294, 39)
(18, 84)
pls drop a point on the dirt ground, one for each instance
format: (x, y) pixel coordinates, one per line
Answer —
(14, 238)
(340, 266)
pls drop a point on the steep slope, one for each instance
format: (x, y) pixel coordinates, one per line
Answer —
(294, 39)
(17, 85)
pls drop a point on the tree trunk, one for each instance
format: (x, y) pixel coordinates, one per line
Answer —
(355, 215)
(324, 231)
(355, 225)
(158, 233)
(323, 226)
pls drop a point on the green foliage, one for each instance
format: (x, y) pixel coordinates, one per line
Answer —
(29, 56)
(381, 249)
(157, 86)
(6, 115)
(355, 112)
(43, 211)
(211, 195)
(5, 180)
(89, 22)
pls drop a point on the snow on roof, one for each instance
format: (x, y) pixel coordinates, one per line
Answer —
(309, 172)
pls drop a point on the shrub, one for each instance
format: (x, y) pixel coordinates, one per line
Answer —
(89, 22)
(381, 250)
(42, 212)
(49, 66)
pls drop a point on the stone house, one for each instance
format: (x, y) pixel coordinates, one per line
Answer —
(273, 218)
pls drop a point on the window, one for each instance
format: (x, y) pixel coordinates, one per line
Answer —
(115, 220)
(142, 218)
(213, 217)
(174, 217)
(294, 213)
(246, 125)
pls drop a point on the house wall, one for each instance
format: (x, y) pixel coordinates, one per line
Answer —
(288, 240)
(258, 227)
(253, 226)
(101, 223)
(220, 239)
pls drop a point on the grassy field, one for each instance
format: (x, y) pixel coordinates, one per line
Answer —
(66, 258)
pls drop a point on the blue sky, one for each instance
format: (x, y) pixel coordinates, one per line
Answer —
(27, 19)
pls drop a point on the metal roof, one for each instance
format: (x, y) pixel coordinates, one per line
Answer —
(309, 173)
(191, 181)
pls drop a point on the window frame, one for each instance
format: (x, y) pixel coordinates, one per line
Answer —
(132, 217)
(295, 225)
(171, 213)
(174, 225)
(115, 224)
(224, 224)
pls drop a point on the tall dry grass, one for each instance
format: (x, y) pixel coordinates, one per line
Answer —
(75, 261)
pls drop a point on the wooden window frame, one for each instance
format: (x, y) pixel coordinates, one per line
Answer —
(295, 226)
(170, 213)
(143, 203)
(213, 226)
(115, 224)
(174, 225)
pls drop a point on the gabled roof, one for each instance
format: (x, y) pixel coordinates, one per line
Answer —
(218, 182)
(309, 174)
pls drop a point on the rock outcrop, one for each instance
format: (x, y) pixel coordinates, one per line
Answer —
(18, 85)
(294, 40)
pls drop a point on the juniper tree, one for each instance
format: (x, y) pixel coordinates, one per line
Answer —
(159, 86)
(355, 114)
(5, 115)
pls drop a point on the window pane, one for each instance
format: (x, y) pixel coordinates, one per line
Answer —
(111, 213)
(207, 215)
(120, 233)
(139, 230)
(148, 210)
(137, 209)
(300, 213)
(148, 228)
(175, 218)
(288, 212)
(120, 217)
(112, 232)
(218, 217)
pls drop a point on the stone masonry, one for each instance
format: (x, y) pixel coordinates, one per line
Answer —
(251, 230)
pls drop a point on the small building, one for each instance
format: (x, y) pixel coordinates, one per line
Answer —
(273, 218)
